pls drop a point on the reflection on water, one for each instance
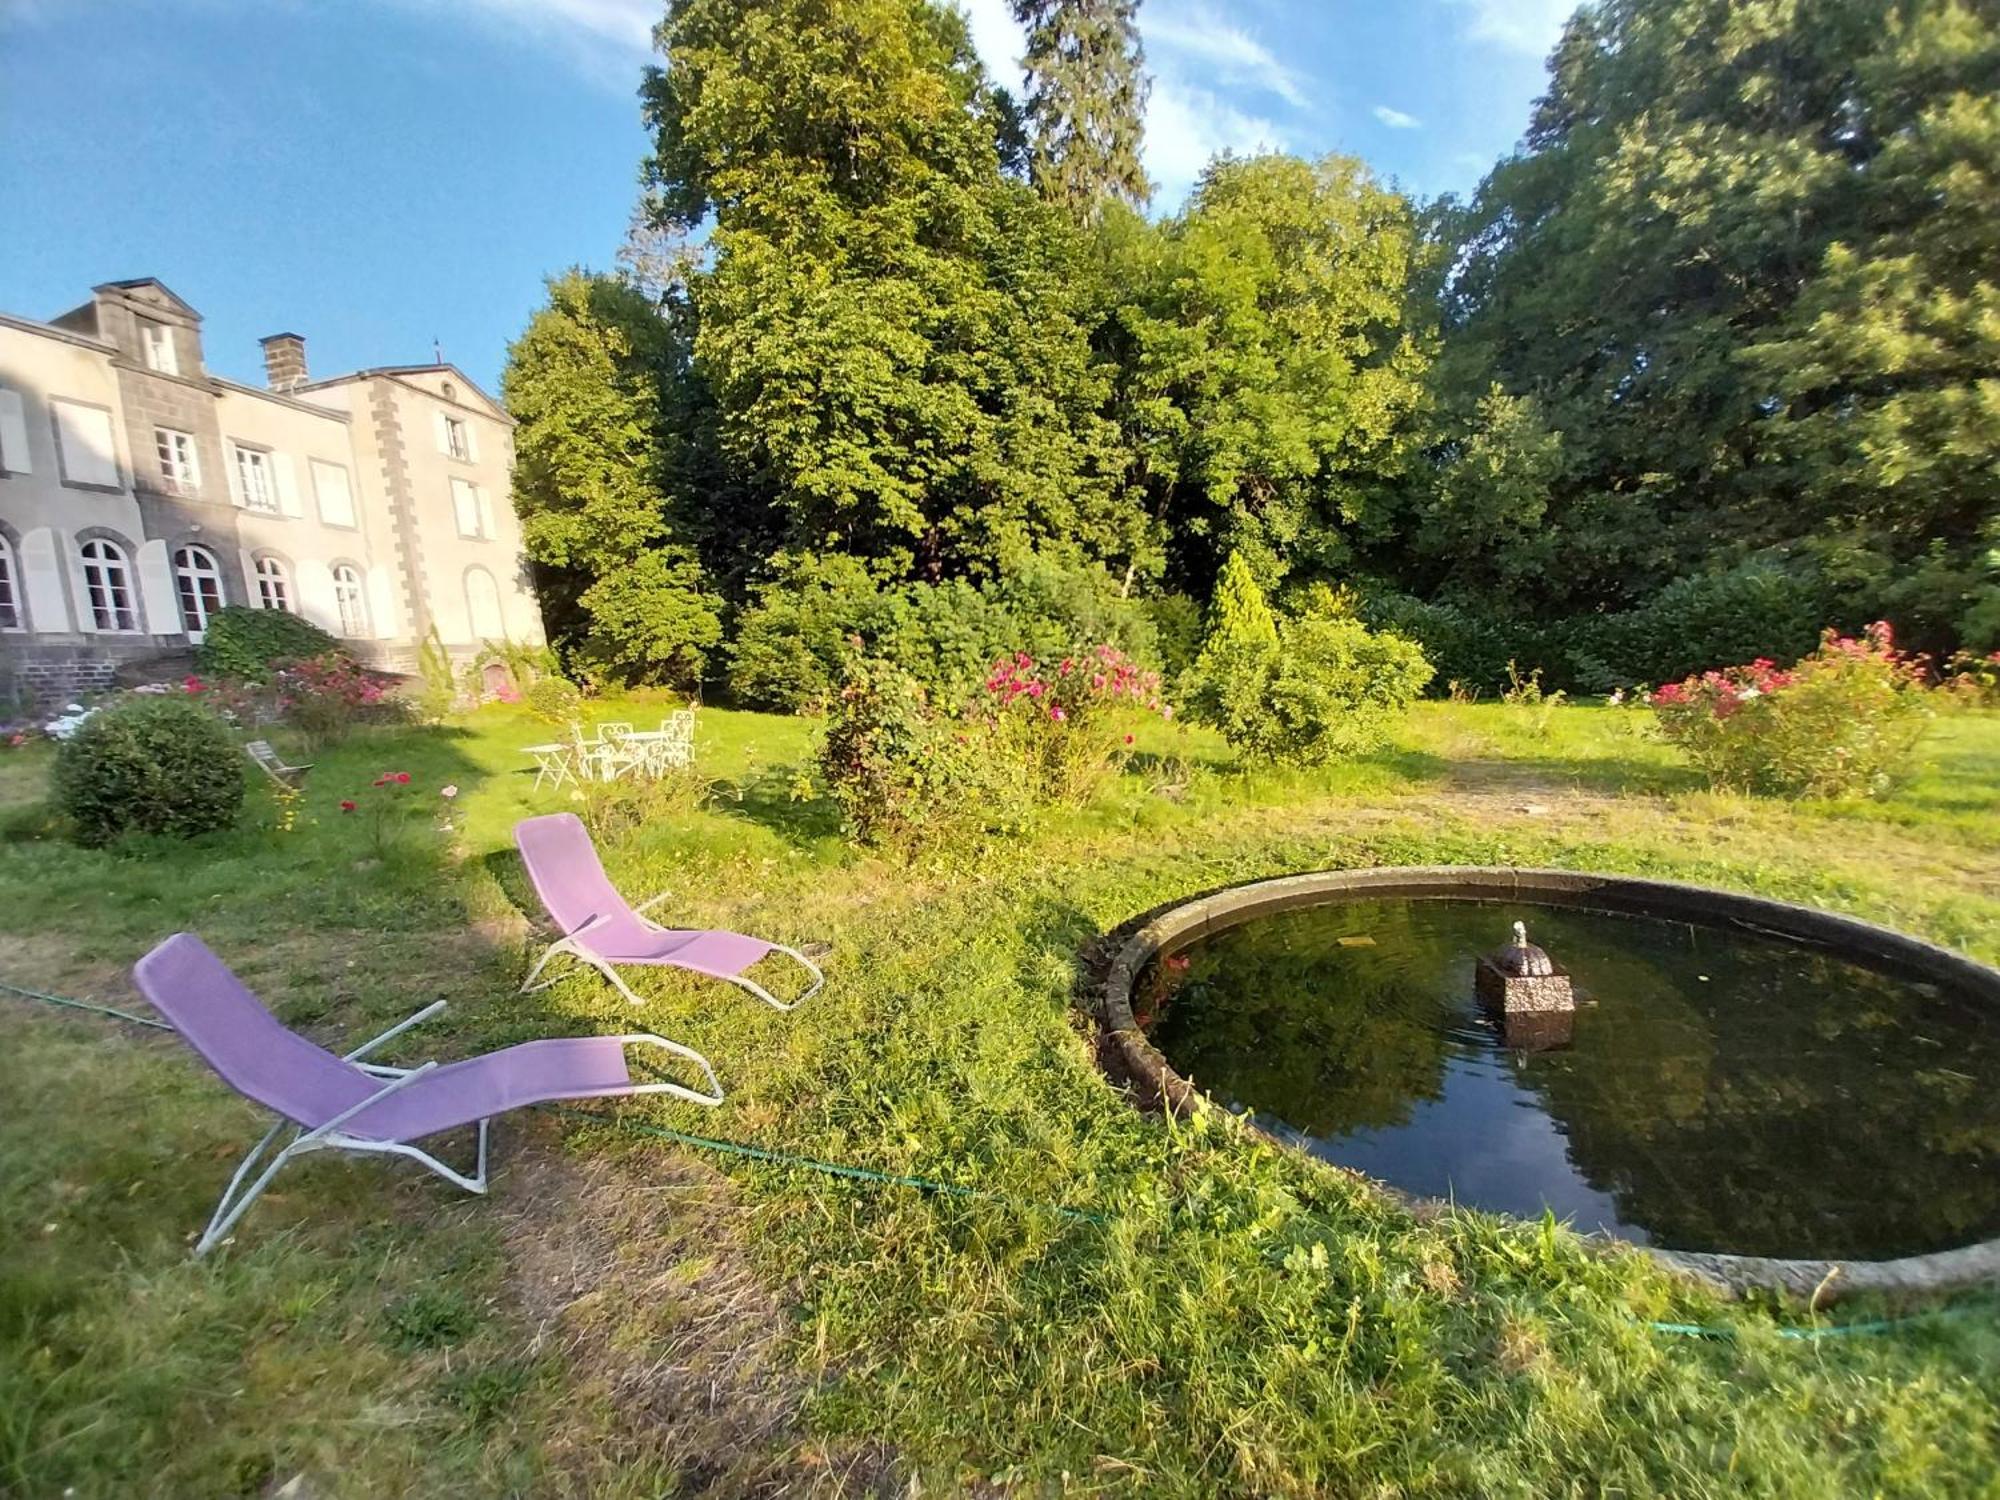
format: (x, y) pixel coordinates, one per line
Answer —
(1721, 1090)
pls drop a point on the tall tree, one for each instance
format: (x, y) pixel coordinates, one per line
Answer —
(1748, 264)
(595, 462)
(896, 336)
(1272, 361)
(1086, 101)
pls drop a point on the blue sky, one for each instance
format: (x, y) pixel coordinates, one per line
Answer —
(379, 174)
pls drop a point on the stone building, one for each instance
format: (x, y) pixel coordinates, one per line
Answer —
(139, 493)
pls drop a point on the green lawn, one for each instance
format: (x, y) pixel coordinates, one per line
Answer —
(622, 1317)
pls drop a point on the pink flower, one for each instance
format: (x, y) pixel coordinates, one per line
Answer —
(1056, 713)
(347, 806)
(1167, 712)
(449, 791)
(403, 778)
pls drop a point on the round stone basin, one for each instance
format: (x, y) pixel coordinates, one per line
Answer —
(1755, 1091)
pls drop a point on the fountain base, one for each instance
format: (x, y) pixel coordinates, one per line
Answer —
(1522, 994)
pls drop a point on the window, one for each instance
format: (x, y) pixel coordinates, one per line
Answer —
(199, 583)
(107, 581)
(482, 605)
(159, 342)
(349, 599)
(274, 589)
(10, 588)
(471, 510)
(455, 441)
(336, 500)
(13, 435)
(180, 472)
(83, 444)
(253, 480)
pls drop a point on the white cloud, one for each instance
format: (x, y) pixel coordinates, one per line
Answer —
(1225, 52)
(1530, 26)
(997, 38)
(626, 25)
(1186, 126)
(1395, 119)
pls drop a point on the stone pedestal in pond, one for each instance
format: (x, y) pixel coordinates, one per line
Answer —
(1521, 979)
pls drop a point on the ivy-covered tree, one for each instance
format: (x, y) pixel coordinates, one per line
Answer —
(1086, 101)
(1748, 264)
(594, 458)
(895, 334)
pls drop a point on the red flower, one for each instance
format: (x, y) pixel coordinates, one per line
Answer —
(347, 806)
(403, 778)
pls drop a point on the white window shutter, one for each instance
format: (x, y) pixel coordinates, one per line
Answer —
(233, 463)
(485, 510)
(13, 435)
(41, 581)
(472, 440)
(440, 432)
(288, 484)
(382, 609)
(251, 593)
(160, 602)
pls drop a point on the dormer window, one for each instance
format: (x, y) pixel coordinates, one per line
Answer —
(158, 341)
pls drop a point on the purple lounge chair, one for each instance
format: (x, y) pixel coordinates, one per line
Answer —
(599, 928)
(344, 1104)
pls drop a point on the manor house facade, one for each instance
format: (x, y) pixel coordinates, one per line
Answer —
(139, 494)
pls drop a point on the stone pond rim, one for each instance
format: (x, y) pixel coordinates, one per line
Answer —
(1156, 1083)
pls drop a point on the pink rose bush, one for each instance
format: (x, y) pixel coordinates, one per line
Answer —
(1064, 722)
(910, 771)
(1844, 721)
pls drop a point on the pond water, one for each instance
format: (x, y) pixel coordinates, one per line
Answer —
(1714, 1090)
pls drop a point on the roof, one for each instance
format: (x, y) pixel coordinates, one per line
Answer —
(137, 282)
(396, 372)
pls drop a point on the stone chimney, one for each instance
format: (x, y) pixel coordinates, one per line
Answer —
(284, 361)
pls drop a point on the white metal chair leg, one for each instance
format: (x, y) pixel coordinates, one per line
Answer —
(561, 948)
(818, 981)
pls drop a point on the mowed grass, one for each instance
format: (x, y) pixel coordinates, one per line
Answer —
(1229, 1319)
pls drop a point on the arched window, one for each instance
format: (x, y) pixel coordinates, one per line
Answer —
(352, 601)
(274, 586)
(11, 617)
(198, 581)
(482, 605)
(107, 580)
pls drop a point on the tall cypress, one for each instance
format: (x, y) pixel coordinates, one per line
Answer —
(1086, 102)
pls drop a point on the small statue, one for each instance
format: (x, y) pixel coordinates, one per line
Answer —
(1522, 978)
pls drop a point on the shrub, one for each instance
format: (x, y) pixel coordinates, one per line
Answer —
(149, 765)
(904, 773)
(249, 643)
(1337, 689)
(1844, 721)
(1177, 622)
(325, 696)
(1972, 679)
(1061, 728)
(1698, 623)
(943, 635)
(791, 643)
(1470, 649)
(1231, 675)
(554, 700)
(1307, 689)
